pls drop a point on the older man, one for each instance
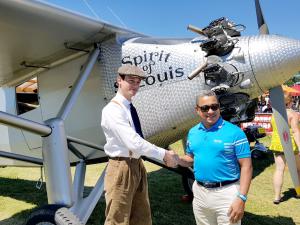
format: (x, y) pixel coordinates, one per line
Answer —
(126, 188)
(220, 154)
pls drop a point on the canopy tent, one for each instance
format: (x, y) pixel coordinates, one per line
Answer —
(285, 88)
(297, 88)
(292, 90)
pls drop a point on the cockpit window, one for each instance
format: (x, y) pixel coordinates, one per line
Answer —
(27, 96)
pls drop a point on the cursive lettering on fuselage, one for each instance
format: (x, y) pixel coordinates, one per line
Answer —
(148, 60)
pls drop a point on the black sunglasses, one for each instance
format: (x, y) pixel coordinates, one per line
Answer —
(205, 108)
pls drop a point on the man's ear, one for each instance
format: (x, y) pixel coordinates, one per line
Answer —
(118, 81)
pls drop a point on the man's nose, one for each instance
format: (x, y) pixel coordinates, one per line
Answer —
(210, 110)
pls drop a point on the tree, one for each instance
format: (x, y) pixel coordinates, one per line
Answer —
(295, 79)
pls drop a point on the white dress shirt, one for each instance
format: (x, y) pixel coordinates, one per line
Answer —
(120, 133)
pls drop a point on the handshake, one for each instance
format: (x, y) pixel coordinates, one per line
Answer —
(171, 159)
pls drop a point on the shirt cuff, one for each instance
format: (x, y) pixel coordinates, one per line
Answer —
(244, 155)
(160, 153)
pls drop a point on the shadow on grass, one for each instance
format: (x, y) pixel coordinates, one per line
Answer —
(165, 191)
(21, 190)
(291, 193)
(251, 219)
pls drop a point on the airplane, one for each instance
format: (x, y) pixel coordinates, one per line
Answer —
(73, 60)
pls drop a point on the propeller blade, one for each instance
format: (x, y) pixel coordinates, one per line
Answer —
(280, 116)
(262, 26)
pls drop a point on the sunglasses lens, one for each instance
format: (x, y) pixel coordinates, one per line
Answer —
(205, 108)
(214, 107)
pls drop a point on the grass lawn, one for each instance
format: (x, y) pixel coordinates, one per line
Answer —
(18, 196)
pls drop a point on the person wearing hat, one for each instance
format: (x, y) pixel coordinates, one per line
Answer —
(125, 184)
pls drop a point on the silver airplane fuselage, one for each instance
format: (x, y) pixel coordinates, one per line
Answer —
(166, 98)
(75, 60)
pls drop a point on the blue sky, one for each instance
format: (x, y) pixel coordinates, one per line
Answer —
(166, 18)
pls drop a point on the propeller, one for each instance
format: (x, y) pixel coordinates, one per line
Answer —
(262, 26)
(279, 111)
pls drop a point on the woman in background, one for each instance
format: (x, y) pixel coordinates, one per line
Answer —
(276, 147)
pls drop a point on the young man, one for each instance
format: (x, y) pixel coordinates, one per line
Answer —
(125, 185)
(220, 154)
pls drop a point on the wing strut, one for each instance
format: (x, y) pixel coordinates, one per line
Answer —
(74, 93)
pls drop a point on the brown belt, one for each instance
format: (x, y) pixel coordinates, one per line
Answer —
(123, 158)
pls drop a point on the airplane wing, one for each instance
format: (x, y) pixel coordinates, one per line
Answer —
(36, 36)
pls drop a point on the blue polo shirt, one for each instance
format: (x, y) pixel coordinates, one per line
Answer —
(216, 151)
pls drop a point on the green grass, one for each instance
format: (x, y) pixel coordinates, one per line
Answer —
(18, 196)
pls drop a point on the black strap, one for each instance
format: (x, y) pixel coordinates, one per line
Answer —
(216, 184)
(136, 120)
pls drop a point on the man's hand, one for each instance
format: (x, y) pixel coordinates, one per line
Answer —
(171, 159)
(236, 210)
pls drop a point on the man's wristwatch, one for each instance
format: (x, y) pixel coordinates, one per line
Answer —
(241, 196)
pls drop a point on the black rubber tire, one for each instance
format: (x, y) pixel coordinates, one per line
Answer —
(44, 214)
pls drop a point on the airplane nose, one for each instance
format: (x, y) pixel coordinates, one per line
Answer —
(274, 59)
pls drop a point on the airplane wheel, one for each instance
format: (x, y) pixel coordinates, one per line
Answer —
(188, 185)
(43, 216)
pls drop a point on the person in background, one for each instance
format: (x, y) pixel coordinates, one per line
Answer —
(276, 147)
(125, 184)
(220, 154)
(267, 108)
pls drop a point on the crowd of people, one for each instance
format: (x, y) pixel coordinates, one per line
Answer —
(214, 145)
(263, 105)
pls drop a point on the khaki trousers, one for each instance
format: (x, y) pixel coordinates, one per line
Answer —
(126, 193)
(211, 205)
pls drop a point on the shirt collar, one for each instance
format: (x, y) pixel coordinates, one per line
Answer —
(216, 126)
(120, 98)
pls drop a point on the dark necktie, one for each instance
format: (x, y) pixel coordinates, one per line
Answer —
(136, 120)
